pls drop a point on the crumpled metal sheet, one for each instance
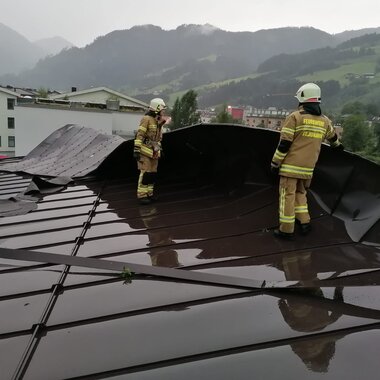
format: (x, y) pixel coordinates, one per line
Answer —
(346, 184)
(13, 206)
(26, 200)
(71, 151)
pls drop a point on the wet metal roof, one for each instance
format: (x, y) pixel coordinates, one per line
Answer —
(302, 309)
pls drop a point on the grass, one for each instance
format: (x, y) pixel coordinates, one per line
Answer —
(211, 86)
(357, 66)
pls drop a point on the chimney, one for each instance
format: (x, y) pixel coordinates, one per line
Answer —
(73, 89)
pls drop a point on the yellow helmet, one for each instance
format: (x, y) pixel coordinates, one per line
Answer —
(157, 105)
(309, 93)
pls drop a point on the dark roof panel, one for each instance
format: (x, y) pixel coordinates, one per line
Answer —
(216, 213)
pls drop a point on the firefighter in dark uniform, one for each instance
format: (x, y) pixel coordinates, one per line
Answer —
(296, 156)
(147, 149)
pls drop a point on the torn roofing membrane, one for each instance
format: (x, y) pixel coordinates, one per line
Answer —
(71, 151)
(132, 290)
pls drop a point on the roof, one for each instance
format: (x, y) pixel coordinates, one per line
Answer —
(280, 309)
(97, 89)
(70, 151)
(8, 92)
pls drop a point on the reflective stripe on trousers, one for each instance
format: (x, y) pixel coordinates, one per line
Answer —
(146, 165)
(293, 202)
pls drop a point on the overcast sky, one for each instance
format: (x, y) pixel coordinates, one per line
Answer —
(81, 21)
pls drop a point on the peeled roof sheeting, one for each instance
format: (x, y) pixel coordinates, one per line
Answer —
(71, 151)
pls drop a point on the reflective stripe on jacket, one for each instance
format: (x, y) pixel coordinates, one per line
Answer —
(148, 137)
(306, 133)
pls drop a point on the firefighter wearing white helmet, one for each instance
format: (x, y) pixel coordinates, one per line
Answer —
(309, 93)
(147, 149)
(297, 153)
(157, 105)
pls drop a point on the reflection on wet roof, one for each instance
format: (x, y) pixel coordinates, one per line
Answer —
(215, 215)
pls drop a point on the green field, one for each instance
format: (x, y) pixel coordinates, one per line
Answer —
(211, 86)
(358, 66)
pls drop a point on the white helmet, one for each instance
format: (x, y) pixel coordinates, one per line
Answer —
(309, 93)
(157, 105)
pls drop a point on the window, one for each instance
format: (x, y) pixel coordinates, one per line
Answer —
(11, 104)
(11, 123)
(11, 141)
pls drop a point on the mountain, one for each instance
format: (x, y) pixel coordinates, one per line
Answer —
(147, 56)
(53, 45)
(147, 60)
(17, 53)
(347, 72)
(349, 34)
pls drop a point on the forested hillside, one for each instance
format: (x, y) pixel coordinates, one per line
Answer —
(143, 57)
(260, 68)
(347, 72)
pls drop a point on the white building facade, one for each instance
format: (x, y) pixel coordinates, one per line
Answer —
(26, 121)
(36, 121)
(8, 101)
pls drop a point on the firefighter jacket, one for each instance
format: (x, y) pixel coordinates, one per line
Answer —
(301, 138)
(148, 138)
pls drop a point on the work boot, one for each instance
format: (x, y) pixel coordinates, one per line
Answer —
(283, 235)
(305, 228)
(145, 201)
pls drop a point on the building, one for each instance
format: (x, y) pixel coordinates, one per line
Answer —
(236, 112)
(271, 118)
(207, 115)
(27, 120)
(8, 100)
(38, 118)
(100, 95)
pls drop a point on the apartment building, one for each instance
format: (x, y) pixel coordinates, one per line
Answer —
(26, 120)
(270, 117)
(38, 118)
(8, 101)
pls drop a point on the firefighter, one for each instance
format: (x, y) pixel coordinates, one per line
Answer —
(303, 312)
(297, 153)
(147, 149)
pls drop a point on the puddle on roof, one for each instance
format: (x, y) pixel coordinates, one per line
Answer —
(193, 329)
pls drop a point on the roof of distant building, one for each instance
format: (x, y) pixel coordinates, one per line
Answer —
(98, 89)
(9, 92)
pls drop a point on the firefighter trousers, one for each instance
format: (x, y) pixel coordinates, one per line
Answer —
(147, 178)
(293, 202)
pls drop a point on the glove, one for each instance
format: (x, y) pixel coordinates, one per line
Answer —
(136, 155)
(161, 122)
(274, 168)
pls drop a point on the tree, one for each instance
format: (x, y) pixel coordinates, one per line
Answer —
(43, 93)
(376, 130)
(372, 110)
(184, 111)
(353, 108)
(223, 116)
(356, 133)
